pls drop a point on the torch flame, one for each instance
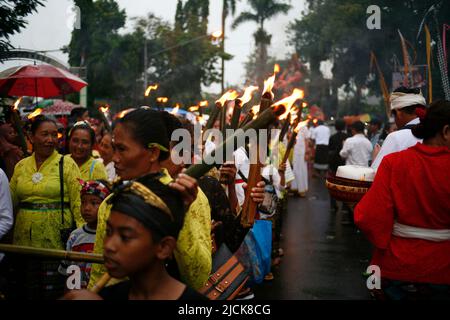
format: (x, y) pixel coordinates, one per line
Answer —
(150, 88)
(203, 103)
(35, 113)
(60, 135)
(255, 110)
(217, 34)
(16, 104)
(304, 104)
(288, 102)
(268, 85)
(193, 108)
(123, 113)
(247, 96)
(301, 125)
(162, 99)
(229, 95)
(175, 110)
(104, 110)
(276, 68)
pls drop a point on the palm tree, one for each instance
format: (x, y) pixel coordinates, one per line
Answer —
(263, 10)
(228, 6)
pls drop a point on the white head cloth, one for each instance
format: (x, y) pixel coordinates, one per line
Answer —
(401, 100)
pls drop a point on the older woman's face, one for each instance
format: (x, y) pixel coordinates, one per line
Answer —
(131, 159)
(106, 149)
(45, 139)
(80, 145)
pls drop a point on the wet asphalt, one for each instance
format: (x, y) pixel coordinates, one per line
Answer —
(323, 259)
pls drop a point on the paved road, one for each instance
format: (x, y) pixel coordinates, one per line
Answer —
(323, 259)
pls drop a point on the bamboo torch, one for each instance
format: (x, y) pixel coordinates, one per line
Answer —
(102, 282)
(52, 253)
(249, 207)
(104, 111)
(17, 123)
(293, 139)
(239, 104)
(252, 114)
(229, 95)
(263, 121)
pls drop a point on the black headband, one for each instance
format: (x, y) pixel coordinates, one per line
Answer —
(151, 217)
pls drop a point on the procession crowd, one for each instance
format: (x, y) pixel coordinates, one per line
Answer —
(164, 235)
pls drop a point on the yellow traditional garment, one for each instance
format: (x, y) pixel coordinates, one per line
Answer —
(41, 227)
(93, 169)
(193, 251)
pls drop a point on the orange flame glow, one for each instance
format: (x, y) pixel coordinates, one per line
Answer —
(150, 88)
(162, 99)
(255, 110)
(229, 95)
(217, 34)
(276, 68)
(123, 113)
(193, 108)
(247, 96)
(268, 85)
(203, 103)
(16, 104)
(60, 135)
(304, 104)
(104, 110)
(288, 102)
(35, 113)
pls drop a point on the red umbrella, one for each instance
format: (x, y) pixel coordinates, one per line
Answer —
(38, 81)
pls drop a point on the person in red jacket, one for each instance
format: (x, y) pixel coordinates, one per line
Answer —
(410, 224)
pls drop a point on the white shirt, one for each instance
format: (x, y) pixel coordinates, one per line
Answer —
(357, 150)
(321, 135)
(396, 141)
(242, 163)
(6, 209)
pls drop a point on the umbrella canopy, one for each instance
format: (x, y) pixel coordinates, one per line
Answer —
(59, 107)
(38, 81)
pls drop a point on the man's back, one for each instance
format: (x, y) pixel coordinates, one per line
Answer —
(357, 150)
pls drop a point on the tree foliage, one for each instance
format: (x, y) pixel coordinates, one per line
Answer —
(335, 30)
(13, 15)
(179, 57)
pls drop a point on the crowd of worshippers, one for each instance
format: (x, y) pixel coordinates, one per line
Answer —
(119, 194)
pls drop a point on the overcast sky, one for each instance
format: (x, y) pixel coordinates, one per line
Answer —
(48, 29)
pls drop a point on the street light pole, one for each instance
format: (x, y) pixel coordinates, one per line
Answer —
(222, 47)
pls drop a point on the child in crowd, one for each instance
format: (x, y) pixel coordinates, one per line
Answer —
(82, 239)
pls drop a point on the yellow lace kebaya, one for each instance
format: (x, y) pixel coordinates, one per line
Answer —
(36, 199)
(193, 252)
(93, 169)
